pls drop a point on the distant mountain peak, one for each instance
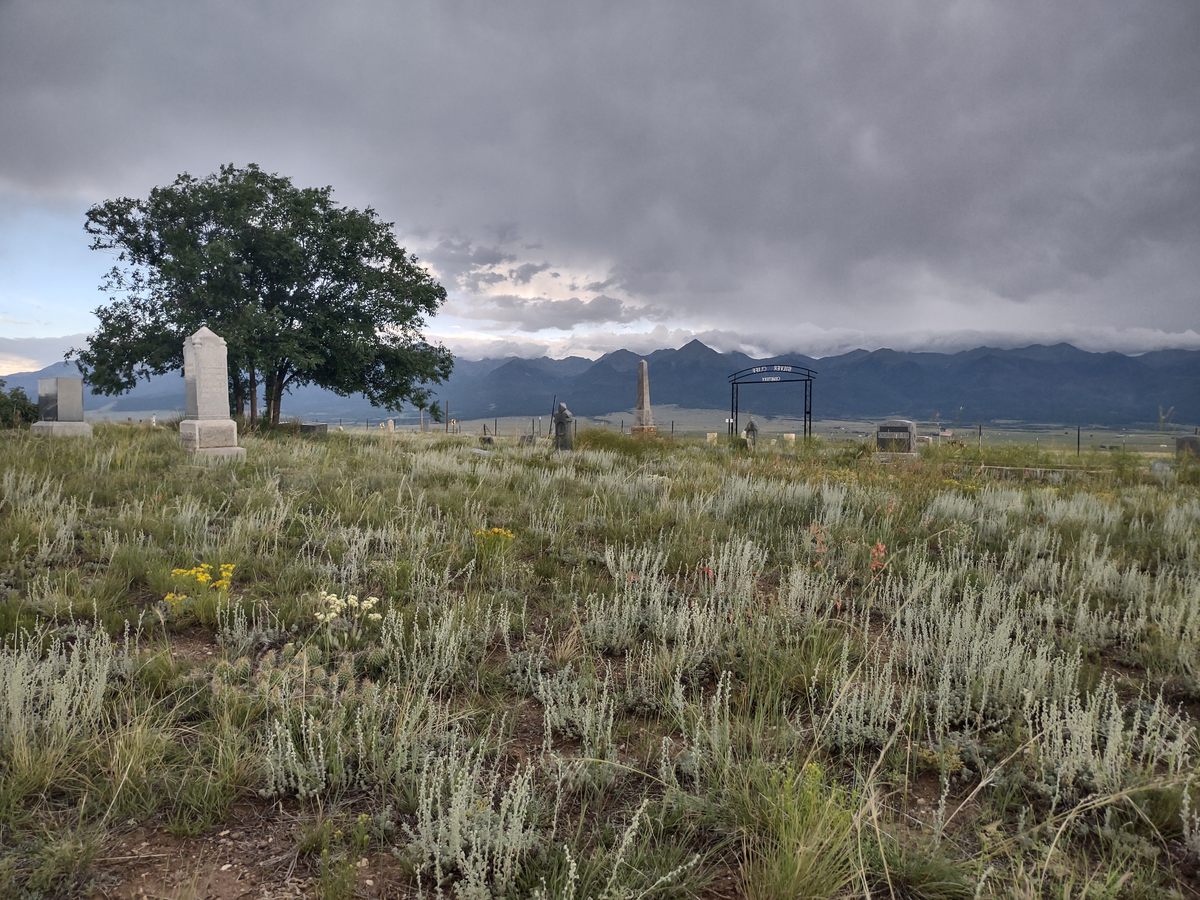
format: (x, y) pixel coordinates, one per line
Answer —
(696, 348)
(620, 360)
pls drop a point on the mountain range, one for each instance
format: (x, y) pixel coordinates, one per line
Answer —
(1051, 384)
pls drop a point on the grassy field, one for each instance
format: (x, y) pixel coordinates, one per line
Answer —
(369, 665)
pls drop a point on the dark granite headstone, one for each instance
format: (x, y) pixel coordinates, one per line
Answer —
(60, 407)
(562, 428)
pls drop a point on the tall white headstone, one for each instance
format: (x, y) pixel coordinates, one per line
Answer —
(207, 431)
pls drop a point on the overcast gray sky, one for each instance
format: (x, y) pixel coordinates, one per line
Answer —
(767, 176)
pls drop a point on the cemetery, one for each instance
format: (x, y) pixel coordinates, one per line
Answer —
(363, 664)
(345, 555)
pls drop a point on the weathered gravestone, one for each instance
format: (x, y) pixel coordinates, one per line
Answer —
(643, 417)
(1163, 470)
(207, 431)
(896, 436)
(314, 428)
(1188, 445)
(60, 408)
(562, 428)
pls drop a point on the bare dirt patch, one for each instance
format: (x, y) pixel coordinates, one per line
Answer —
(252, 856)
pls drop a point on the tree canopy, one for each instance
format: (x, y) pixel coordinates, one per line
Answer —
(304, 291)
(16, 409)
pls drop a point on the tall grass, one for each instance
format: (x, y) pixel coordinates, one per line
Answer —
(640, 669)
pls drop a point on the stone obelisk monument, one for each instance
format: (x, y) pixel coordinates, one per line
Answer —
(207, 431)
(643, 418)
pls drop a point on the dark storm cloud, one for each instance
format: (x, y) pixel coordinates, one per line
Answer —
(762, 168)
(523, 274)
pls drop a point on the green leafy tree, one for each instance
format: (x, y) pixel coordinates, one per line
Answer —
(304, 291)
(16, 409)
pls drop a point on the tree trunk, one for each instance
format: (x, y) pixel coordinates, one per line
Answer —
(269, 397)
(239, 397)
(279, 379)
(253, 397)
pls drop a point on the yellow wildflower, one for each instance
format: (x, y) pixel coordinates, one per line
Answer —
(496, 532)
(174, 600)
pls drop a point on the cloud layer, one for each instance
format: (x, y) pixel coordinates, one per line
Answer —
(776, 173)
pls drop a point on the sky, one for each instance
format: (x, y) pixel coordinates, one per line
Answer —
(768, 177)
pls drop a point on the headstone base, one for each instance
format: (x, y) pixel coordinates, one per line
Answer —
(211, 437)
(643, 430)
(62, 429)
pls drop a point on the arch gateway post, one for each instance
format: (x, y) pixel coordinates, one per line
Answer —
(783, 373)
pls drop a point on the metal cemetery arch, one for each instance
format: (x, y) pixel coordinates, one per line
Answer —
(781, 374)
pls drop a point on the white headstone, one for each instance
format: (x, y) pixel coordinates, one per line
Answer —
(208, 431)
(206, 375)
